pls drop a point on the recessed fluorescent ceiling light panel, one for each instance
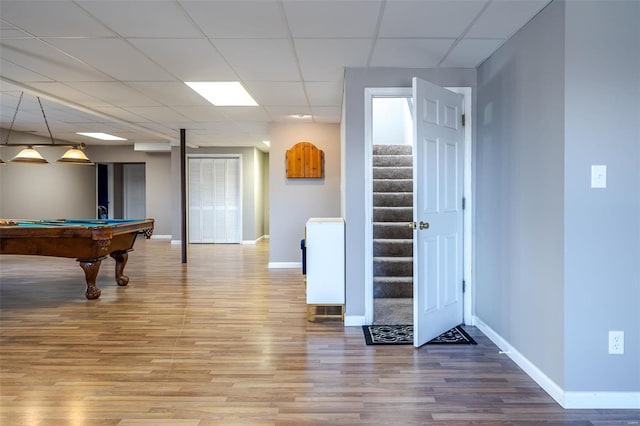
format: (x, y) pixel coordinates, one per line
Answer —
(223, 93)
(102, 136)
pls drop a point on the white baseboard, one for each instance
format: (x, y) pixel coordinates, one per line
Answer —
(602, 400)
(284, 265)
(568, 400)
(353, 320)
(161, 237)
(252, 242)
(534, 372)
(176, 242)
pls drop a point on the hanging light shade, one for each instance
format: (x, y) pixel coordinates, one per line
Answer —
(75, 156)
(29, 156)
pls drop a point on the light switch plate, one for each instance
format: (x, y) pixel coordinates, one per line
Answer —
(598, 176)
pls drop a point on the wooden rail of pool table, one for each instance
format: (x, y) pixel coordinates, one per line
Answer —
(88, 243)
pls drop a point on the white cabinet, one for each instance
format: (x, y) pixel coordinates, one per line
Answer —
(324, 240)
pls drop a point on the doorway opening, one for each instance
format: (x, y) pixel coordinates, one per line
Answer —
(377, 309)
(121, 189)
(392, 198)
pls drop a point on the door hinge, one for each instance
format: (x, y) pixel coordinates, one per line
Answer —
(464, 286)
(464, 203)
(463, 119)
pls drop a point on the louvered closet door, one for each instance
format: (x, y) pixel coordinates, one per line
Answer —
(214, 200)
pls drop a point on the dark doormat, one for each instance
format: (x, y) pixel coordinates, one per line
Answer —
(403, 335)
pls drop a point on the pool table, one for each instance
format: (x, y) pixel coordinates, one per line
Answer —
(88, 240)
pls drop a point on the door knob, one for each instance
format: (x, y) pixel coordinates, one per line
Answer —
(424, 225)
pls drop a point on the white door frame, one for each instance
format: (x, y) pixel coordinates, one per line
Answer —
(468, 271)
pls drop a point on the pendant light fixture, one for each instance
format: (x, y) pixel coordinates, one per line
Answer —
(75, 156)
(30, 155)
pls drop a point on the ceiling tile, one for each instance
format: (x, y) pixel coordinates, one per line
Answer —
(277, 93)
(332, 18)
(160, 114)
(202, 113)
(327, 114)
(288, 113)
(324, 93)
(67, 93)
(143, 18)
(245, 113)
(325, 59)
(238, 18)
(409, 53)
(52, 18)
(121, 114)
(260, 59)
(503, 18)
(113, 56)
(187, 59)
(18, 73)
(170, 93)
(471, 53)
(115, 93)
(39, 57)
(419, 18)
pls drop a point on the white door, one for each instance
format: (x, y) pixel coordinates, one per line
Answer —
(438, 191)
(134, 188)
(214, 200)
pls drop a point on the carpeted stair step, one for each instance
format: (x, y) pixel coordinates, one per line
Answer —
(392, 266)
(393, 172)
(392, 149)
(392, 199)
(392, 160)
(393, 247)
(393, 185)
(393, 311)
(392, 287)
(392, 230)
(393, 214)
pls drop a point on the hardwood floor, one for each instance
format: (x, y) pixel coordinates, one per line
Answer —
(224, 341)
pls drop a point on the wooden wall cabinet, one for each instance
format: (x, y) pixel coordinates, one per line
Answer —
(305, 160)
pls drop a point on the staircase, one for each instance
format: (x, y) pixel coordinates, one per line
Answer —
(392, 236)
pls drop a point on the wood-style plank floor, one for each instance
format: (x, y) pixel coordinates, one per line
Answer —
(224, 341)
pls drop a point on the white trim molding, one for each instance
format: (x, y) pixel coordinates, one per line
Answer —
(160, 237)
(252, 242)
(284, 265)
(354, 320)
(602, 400)
(176, 242)
(566, 399)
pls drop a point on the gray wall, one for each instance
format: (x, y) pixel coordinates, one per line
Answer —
(58, 190)
(294, 201)
(258, 193)
(356, 80)
(557, 263)
(265, 189)
(519, 199)
(252, 182)
(602, 226)
(158, 179)
(44, 191)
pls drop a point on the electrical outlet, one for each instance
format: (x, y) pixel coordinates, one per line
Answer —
(616, 342)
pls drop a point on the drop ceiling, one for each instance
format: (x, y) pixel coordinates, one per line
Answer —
(119, 66)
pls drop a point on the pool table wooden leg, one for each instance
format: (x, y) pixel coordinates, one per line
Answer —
(90, 268)
(121, 258)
